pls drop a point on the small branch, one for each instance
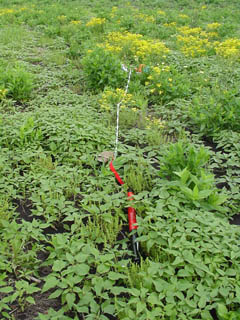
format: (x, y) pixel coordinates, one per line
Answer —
(13, 310)
(34, 279)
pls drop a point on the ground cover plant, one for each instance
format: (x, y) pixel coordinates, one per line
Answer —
(65, 249)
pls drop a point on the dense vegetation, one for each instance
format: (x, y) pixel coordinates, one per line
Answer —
(65, 251)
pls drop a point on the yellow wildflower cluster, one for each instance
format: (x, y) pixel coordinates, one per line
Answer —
(113, 12)
(183, 16)
(9, 11)
(76, 22)
(96, 22)
(195, 41)
(213, 34)
(3, 93)
(159, 80)
(131, 44)
(229, 48)
(111, 98)
(192, 31)
(6, 11)
(171, 24)
(62, 18)
(153, 122)
(161, 13)
(145, 17)
(194, 45)
(213, 26)
(163, 68)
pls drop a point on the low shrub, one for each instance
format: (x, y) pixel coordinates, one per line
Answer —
(102, 69)
(17, 82)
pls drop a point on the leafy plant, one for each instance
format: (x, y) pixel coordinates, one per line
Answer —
(102, 69)
(17, 82)
(80, 289)
(194, 262)
(214, 111)
(22, 294)
(224, 314)
(165, 83)
(179, 156)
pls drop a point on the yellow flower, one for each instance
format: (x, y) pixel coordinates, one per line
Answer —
(145, 17)
(133, 45)
(170, 79)
(75, 22)
(213, 26)
(6, 11)
(62, 17)
(162, 13)
(95, 22)
(183, 16)
(147, 83)
(228, 48)
(171, 24)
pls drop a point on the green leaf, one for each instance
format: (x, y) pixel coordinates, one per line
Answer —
(107, 307)
(30, 300)
(222, 310)
(153, 299)
(102, 268)
(70, 298)
(50, 283)
(140, 307)
(202, 302)
(183, 273)
(116, 276)
(195, 192)
(224, 291)
(177, 261)
(117, 290)
(82, 269)
(55, 294)
(6, 289)
(134, 292)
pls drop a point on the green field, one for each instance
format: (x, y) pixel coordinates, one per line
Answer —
(65, 248)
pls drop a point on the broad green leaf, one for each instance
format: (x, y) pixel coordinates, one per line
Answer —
(102, 268)
(153, 298)
(6, 289)
(134, 292)
(222, 310)
(177, 261)
(83, 269)
(202, 302)
(50, 283)
(30, 300)
(107, 307)
(70, 298)
(140, 307)
(116, 276)
(55, 294)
